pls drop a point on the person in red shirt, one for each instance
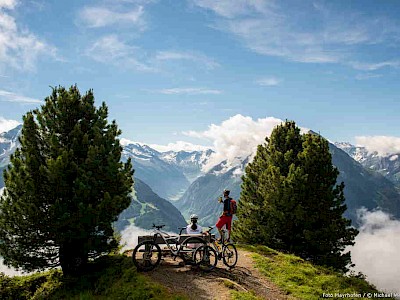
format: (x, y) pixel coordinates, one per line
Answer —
(226, 216)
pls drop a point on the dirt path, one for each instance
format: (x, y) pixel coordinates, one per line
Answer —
(217, 284)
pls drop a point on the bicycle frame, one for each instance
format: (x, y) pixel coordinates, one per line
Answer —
(165, 237)
(186, 248)
(219, 248)
(214, 244)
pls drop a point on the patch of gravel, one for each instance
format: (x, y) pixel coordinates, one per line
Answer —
(217, 284)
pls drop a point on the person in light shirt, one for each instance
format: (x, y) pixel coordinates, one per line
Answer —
(194, 228)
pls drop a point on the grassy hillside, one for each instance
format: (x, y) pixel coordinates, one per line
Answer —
(147, 208)
(303, 280)
(111, 277)
(115, 277)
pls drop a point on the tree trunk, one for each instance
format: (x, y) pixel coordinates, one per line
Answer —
(73, 258)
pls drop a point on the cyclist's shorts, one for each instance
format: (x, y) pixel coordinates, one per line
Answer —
(224, 220)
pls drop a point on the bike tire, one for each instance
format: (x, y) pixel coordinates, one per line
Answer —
(143, 253)
(229, 255)
(205, 257)
(188, 247)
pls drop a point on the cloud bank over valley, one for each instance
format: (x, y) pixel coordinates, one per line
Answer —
(376, 250)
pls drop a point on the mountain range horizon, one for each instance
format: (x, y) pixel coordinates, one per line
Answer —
(186, 178)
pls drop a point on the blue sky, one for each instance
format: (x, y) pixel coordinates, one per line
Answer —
(169, 69)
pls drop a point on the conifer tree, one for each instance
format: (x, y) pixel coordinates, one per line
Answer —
(64, 187)
(290, 200)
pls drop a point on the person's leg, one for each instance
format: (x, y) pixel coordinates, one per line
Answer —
(220, 233)
(219, 226)
(229, 227)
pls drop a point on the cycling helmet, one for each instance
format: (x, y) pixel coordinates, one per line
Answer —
(194, 218)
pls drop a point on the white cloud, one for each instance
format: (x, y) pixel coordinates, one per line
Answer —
(19, 49)
(241, 8)
(100, 16)
(201, 59)
(365, 76)
(270, 36)
(6, 125)
(9, 271)
(277, 29)
(269, 81)
(126, 142)
(129, 236)
(141, 2)
(110, 49)
(12, 97)
(376, 249)
(8, 4)
(190, 91)
(236, 137)
(384, 145)
(375, 66)
(238, 172)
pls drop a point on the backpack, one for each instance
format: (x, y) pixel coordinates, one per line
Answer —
(233, 207)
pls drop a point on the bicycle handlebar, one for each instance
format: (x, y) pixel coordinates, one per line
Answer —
(158, 226)
(210, 228)
(181, 229)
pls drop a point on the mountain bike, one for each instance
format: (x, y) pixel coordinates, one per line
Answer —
(224, 250)
(147, 254)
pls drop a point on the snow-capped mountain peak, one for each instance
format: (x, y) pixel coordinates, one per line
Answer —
(387, 165)
(190, 162)
(343, 145)
(8, 144)
(358, 153)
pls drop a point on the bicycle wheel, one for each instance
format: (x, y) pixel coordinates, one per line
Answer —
(205, 257)
(146, 256)
(229, 255)
(188, 247)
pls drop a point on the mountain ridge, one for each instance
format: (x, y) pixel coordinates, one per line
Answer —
(169, 173)
(179, 177)
(363, 188)
(201, 197)
(147, 208)
(387, 165)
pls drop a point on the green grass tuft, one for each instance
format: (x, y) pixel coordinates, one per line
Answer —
(302, 279)
(111, 277)
(229, 284)
(244, 296)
